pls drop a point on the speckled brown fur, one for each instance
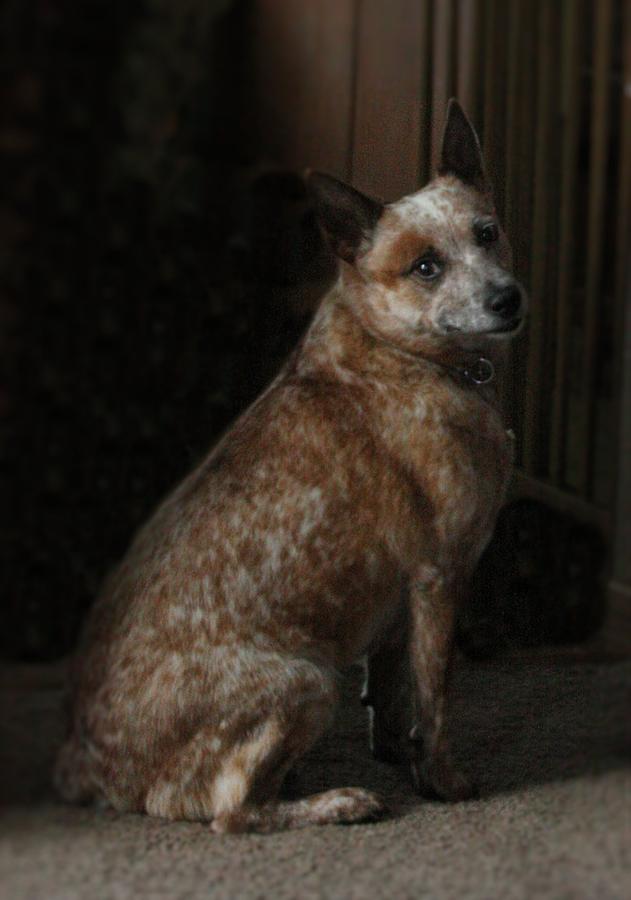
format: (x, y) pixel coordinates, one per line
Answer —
(338, 519)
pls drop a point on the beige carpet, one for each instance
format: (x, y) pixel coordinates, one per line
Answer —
(550, 745)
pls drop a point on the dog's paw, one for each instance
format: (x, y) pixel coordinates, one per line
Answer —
(439, 780)
(347, 806)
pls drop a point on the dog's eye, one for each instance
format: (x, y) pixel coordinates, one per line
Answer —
(427, 267)
(487, 233)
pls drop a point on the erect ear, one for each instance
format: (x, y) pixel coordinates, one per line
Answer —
(460, 152)
(347, 216)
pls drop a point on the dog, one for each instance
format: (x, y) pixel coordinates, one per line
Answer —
(340, 518)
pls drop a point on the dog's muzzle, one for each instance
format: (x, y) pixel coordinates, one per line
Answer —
(507, 305)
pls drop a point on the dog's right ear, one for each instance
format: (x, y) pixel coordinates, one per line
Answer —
(347, 216)
(460, 152)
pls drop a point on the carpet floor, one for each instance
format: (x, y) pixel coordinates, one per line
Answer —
(549, 744)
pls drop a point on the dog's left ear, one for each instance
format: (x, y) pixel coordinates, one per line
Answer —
(460, 153)
(347, 216)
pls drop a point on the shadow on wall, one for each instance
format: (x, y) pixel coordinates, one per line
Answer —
(540, 581)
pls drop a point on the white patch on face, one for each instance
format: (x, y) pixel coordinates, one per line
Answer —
(425, 208)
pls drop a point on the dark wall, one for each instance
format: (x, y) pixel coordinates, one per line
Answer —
(149, 283)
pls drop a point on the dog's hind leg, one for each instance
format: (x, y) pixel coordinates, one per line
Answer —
(231, 771)
(249, 803)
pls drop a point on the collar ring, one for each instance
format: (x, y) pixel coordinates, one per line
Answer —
(482, 371)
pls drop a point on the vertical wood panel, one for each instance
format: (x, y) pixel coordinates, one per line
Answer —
(302, 78)
(522, 208)
(470, 59)
(514, 86)
(526, 124)
(621, 562)
(386, 148)
(546, 93)
(552, 199)
(425, 50)
(570, 122)
(443, 81)
(514, 92)
(495, 78)
(603, 21)
(621, 499)
(623, 230)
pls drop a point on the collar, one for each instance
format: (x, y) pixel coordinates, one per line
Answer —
(468, 366)
(478, 371)
(472, 368)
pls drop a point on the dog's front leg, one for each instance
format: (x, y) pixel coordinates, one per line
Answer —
(433, 602)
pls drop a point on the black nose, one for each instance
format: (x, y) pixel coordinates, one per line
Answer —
(505, 302)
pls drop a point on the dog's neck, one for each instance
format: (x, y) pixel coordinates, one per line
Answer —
(339, 341)
(473, 367)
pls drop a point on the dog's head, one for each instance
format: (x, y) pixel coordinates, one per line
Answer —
(435, 263)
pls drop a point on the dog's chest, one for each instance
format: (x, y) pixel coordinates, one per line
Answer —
(458, 454)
